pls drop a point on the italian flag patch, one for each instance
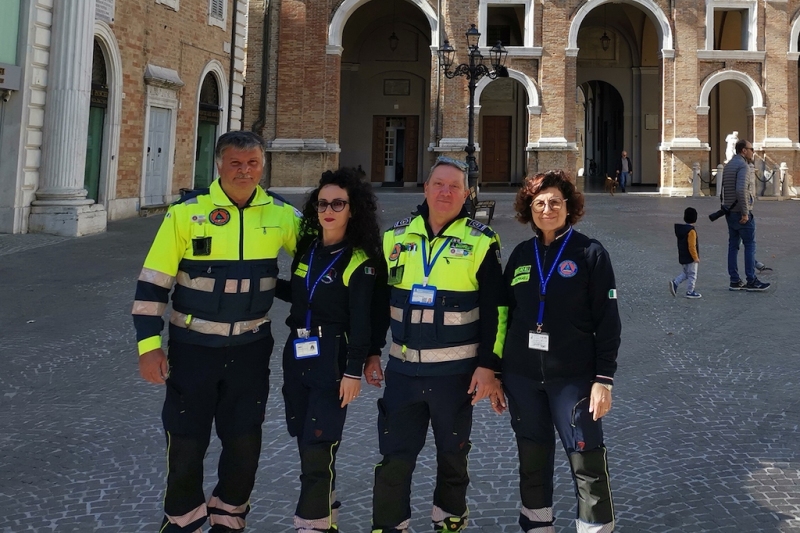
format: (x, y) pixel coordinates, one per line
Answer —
(612, 294)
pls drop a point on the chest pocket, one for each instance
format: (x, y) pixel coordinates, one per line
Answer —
(262, 241)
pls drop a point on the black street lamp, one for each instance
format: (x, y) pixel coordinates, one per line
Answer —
(473, 71)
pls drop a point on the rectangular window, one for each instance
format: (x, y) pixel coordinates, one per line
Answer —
(505, 23)
(731, 29)
(216, 9)
(217, 12)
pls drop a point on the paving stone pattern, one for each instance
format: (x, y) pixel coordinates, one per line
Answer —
(701, 437)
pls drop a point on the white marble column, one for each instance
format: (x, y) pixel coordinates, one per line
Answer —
(61, 205)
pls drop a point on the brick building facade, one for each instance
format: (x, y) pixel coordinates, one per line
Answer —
(118, 106)
(357, 83)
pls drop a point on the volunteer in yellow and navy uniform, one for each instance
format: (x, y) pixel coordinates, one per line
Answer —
(219, 249)
(447, 329)
(331, 330)
(560, 354)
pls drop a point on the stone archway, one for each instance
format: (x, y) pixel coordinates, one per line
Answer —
(385, 101)
(729, 101)
(348, 7)
(654, 11)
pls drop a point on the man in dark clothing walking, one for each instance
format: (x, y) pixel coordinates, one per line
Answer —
(624, 170)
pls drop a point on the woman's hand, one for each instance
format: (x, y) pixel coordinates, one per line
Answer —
(599, 401)
(349, 389)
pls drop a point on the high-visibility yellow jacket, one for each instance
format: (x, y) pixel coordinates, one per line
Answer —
(465, 326)
(222, 260)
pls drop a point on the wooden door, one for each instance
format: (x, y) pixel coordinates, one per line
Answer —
(155, 185)
(496, 149)
(378, 140)
(412, 149)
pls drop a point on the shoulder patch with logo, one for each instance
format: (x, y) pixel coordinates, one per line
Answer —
(478, 228)
(401, 225)
(219, 217)
(567, 269)
(612, 294)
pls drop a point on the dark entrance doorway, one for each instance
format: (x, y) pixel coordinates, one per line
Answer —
(208, 114)
(604, 132)
(97, 119)
(395, 152)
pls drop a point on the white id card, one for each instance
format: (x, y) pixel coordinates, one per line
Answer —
(423, 295)
(538, 341)
(305, 348)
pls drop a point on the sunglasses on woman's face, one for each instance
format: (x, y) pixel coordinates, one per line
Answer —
(337, 205)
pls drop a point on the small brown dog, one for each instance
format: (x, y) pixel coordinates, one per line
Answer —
(611, 184)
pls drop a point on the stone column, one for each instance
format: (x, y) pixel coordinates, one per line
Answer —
(61, 206)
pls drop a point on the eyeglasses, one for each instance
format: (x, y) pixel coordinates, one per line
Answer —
(444, 160)
(555, 204)
(337, 205)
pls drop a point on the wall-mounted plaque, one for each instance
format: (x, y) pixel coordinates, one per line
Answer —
(651, 122)
(104, 11)
(396, 87)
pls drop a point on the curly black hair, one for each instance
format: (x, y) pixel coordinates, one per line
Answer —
(362, 229)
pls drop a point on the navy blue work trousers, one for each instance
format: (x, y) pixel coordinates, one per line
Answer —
(227, 387)
(408, 405)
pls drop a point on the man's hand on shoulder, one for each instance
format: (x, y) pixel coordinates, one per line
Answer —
(153, 366)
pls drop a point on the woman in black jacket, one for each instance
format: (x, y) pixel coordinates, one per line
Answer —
(338, 318)
(560, 353)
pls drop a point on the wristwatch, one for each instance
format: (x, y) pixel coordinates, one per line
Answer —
(607, 386)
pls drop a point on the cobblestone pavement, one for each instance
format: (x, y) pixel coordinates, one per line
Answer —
(701, 437)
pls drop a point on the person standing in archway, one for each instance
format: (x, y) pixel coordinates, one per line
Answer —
(624, 170)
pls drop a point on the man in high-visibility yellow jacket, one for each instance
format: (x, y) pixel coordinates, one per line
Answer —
(448, 326)
(219, 248)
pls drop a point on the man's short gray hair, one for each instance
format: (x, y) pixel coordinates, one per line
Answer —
(240, 140)
(450, 162)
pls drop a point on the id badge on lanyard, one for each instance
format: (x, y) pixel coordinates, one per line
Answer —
(306, 348)
(540, 340)
(425, 295)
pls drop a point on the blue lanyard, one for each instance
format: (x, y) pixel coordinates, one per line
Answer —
(313, 288)
(427, 267)
(542, 280)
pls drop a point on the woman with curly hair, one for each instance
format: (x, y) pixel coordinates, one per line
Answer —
(560, 353)
(337, 274)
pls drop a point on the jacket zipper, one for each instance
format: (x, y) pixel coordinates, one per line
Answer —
(241, 233)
